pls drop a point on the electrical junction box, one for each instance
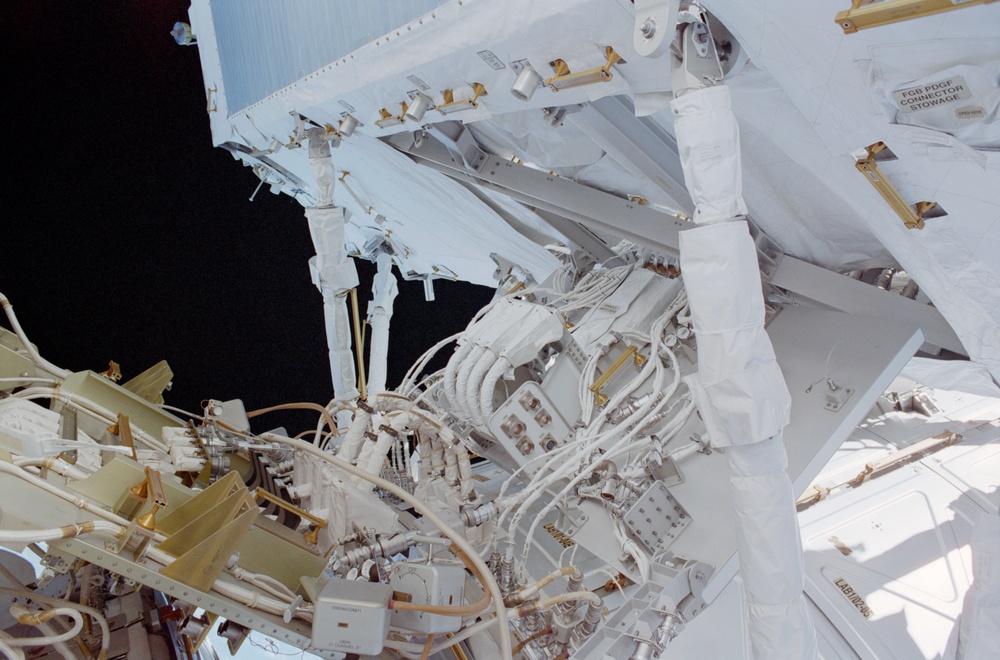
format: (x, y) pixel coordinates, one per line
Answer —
(437, 583)
(351, 616)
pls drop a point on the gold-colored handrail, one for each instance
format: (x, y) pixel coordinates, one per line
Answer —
(312, 536)
(630, 352)
(865, 14)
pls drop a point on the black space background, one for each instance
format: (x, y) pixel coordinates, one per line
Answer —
(125, 235)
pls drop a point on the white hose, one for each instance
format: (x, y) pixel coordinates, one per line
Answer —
(18, 536)
(61, 647)
(276, 606)
(8, 308)
(77, 501)
(355, 436)
(493, 376)
(421, 508)
(27, 617)
(12, 652)
(57, 465)
(91, 408)
(475, 382)
(36, 381)
(462, 382)
(445, 644)
(411, 376)
(458, 359)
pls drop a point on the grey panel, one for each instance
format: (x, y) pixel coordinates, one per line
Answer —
(265, 45)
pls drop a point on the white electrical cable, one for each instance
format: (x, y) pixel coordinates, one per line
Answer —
(55, 464)
(658, 403)
(39, 381)
(19, 588)
(12, 652)
(8, 308)
(91, 408)
(60, 647)
(27, 617)
(72, 530)
(421, 508)
(411, 375)
(76, 500)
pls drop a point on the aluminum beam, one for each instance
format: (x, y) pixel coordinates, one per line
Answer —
(637, 144)
(605, 213)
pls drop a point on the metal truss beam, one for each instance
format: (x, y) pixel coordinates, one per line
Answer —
(605, 213)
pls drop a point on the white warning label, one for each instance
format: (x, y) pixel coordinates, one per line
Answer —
(932, 95)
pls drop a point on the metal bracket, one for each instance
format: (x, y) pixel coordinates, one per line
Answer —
(696, 62)
(654, 20)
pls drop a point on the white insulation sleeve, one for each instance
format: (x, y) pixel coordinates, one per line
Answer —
(979, 626)
(708, 140)
(334, 274)
(338, 338)
(451, 373)
(475, 383)
(493, 377)
(322, 170)
(333, 271)
(384, 292)
(770, 550)
(739, 388)
(355, 436)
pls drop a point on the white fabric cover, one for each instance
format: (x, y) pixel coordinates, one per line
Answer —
(708, 141)
(334, 274)
(739, 388)
(952, 375)
(770, 551)
(949, 85)
(633, 307)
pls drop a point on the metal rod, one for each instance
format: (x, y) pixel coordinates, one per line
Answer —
(359, 348)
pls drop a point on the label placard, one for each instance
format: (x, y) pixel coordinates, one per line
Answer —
(931, 95)
(421, 85)
(853, 596)
(491, 59)
(971, 112)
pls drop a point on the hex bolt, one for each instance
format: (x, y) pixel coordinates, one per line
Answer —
(648, 28)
